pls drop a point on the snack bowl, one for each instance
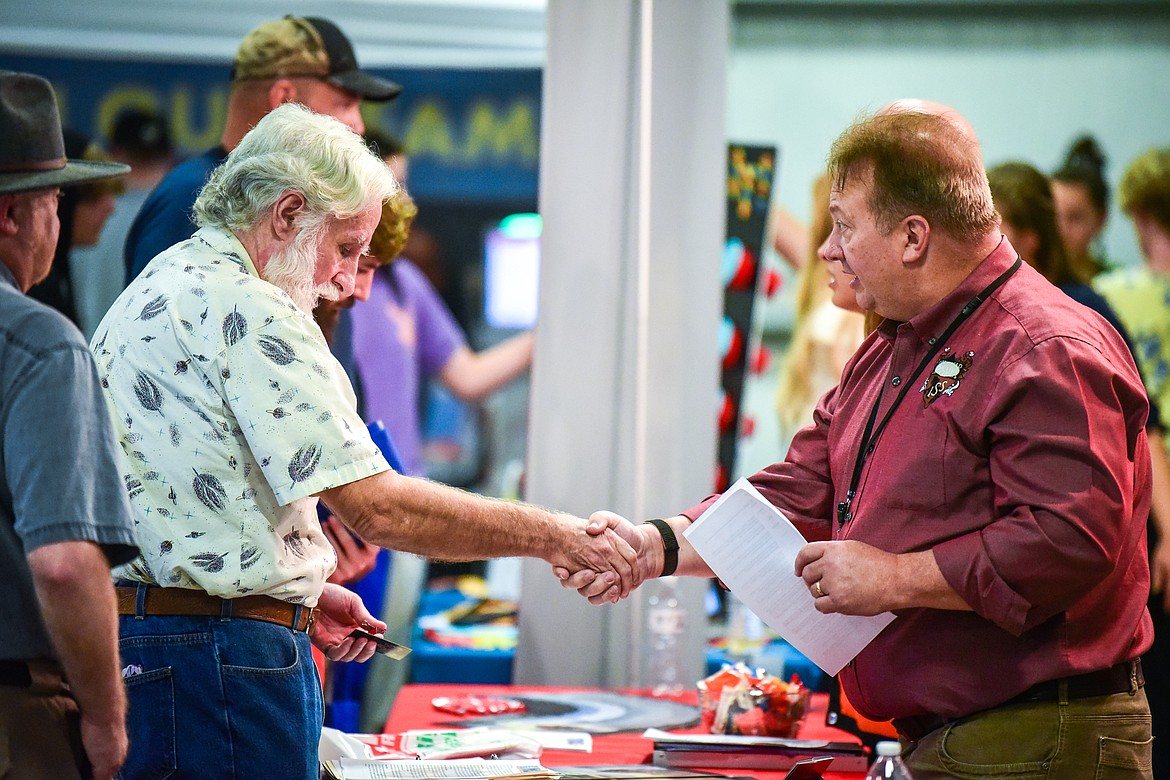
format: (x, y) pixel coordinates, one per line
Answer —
(736, 701)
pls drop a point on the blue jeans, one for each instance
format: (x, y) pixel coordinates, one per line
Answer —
(232, 698)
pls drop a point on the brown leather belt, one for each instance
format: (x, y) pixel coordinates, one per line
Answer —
(1125, 677)
(186, 602)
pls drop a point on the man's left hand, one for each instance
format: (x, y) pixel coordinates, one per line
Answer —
(340, 611)
(849, 577)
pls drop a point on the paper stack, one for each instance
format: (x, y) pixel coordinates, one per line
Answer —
(456, 769)
(725, 751)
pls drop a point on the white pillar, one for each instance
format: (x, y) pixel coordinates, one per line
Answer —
(625, 381)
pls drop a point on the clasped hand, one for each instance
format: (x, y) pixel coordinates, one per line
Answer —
(602, 587)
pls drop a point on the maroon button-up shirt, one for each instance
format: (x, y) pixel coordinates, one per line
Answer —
(1018, 456)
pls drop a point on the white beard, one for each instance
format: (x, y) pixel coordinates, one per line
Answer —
(292, 270)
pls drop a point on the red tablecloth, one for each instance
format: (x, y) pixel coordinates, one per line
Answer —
(413, 710)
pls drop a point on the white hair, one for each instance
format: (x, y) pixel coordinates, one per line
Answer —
(293, 149)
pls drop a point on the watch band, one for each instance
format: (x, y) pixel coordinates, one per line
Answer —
(669, 546)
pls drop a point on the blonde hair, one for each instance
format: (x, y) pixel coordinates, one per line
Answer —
(1145, 186)
(390, 236)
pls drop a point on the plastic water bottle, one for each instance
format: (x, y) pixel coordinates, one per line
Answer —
(745, 634)
(889, 762)
(665, 621)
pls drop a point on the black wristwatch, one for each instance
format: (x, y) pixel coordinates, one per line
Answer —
(669, 546)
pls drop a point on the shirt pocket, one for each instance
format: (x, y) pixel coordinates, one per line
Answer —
(907, 471)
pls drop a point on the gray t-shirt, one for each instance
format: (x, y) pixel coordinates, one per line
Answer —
(59, 476)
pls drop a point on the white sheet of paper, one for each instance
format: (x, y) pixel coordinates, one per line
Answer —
(751, 546)
(579, 741)
(356, 769)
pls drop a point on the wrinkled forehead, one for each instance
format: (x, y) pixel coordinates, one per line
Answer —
(359, 228)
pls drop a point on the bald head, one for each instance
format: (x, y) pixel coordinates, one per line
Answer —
(919, 162)
(933, 108)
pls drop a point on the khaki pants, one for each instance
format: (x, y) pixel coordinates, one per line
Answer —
(40, 732)
(1100, 737)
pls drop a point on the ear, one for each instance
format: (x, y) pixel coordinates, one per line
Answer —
(8, 226)
(282, 91)
(284, 214)
(916, 231)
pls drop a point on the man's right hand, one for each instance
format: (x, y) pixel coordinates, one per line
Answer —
(597, 548)
(597, 588)
(106, 743)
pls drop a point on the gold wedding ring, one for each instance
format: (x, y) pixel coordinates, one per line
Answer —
(818, 588)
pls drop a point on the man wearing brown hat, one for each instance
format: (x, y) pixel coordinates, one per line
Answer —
(305, 60)
(64, 516)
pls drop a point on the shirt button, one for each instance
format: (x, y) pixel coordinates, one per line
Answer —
(896, 381)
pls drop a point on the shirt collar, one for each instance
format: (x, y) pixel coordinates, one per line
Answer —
(226, 243)
(931, 322)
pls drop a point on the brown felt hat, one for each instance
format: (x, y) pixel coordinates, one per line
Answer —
(307, 46)
(32, 148)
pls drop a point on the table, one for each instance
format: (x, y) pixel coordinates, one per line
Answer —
(412, 710)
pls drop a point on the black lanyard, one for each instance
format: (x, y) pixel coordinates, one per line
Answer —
(870, 435)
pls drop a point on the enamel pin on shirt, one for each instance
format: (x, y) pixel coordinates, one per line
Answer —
(946, 376)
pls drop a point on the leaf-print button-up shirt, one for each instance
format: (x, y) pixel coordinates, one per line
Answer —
(232, 414)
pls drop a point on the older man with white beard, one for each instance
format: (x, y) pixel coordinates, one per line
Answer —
(233, 417)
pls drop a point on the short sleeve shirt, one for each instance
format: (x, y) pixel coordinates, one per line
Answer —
(1141, 300)
(59, 476)
(403, 335)
(232, 415)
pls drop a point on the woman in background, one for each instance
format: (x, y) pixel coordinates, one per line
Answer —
(1082, 207)
(829, 327)
(1027, 207)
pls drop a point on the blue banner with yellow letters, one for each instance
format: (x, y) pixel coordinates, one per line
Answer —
(472, 135)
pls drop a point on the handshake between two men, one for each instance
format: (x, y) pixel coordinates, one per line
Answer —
(847, 577)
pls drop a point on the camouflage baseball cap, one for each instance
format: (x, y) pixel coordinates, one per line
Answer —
(311, 47)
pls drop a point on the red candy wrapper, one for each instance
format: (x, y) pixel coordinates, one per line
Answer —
(477, 705)
(736, 701)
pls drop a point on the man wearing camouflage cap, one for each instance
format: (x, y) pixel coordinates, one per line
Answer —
(305, 60)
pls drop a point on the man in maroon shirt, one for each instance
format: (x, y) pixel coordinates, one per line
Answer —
(981, 471)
